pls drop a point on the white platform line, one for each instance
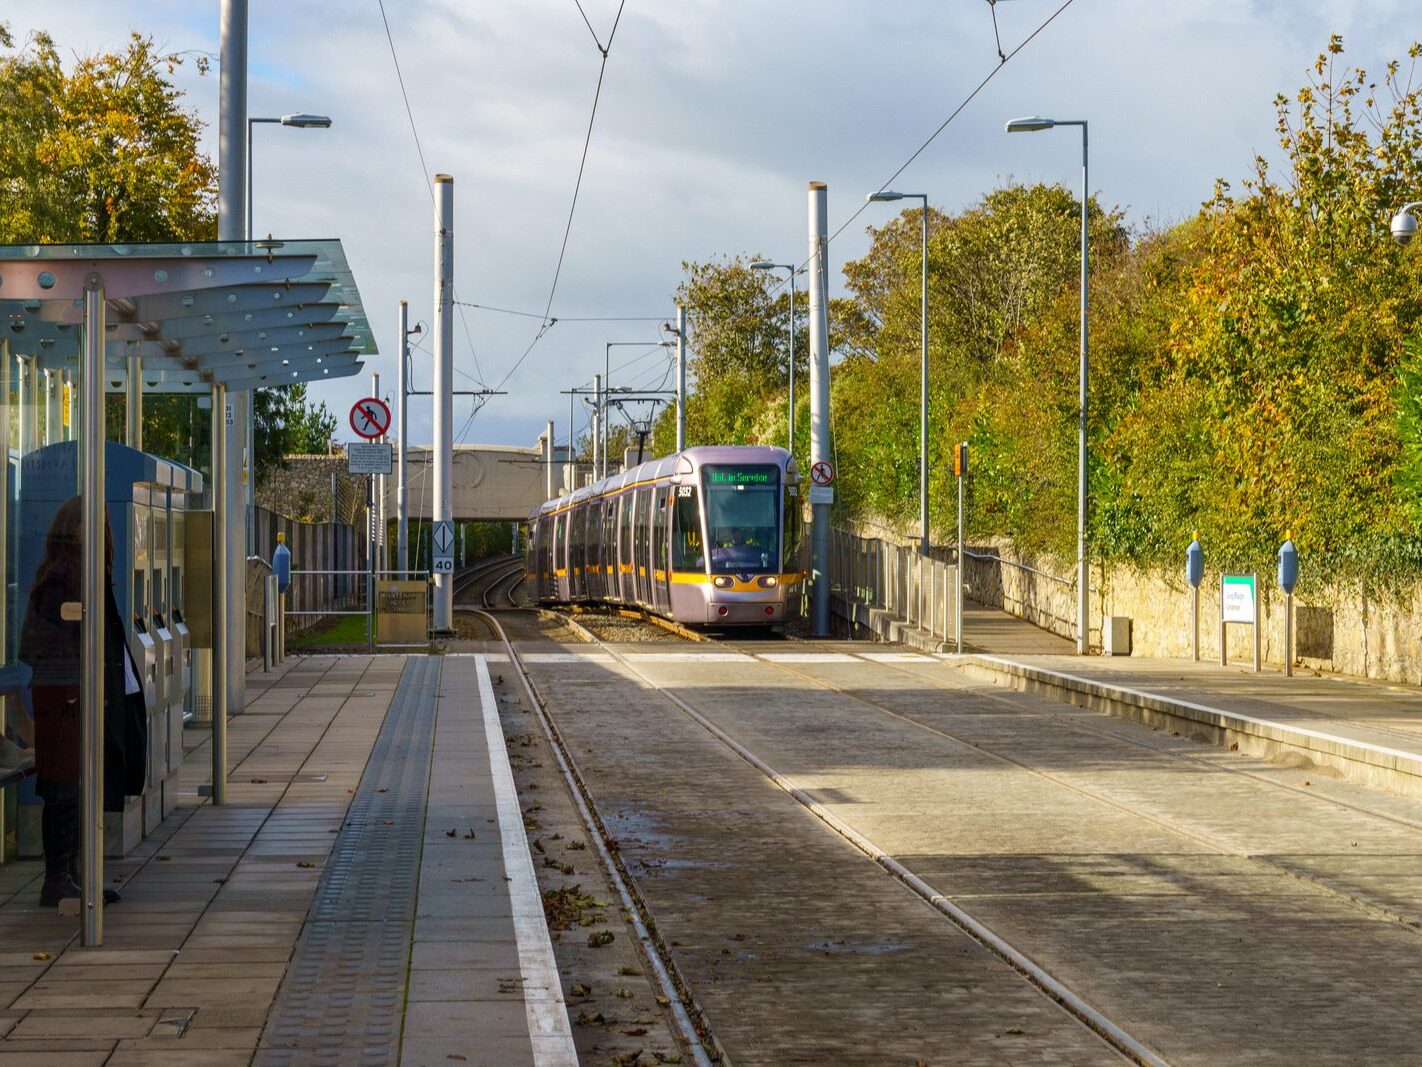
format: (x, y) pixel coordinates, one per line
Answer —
(547, 1015)
(808, 657)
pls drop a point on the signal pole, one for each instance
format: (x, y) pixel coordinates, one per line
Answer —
(819, 403)
(443, 621)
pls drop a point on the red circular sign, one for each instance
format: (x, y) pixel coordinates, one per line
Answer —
(370, 417)
(822, 473)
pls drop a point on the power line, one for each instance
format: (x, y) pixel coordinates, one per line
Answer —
(780, 284)
(577, 187)
(562, 318)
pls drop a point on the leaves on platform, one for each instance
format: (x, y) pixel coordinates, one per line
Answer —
(601, 939)
(568, 907)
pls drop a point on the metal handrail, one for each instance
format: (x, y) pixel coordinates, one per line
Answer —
(1070, 583)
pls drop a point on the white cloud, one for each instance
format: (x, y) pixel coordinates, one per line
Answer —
(714, 116)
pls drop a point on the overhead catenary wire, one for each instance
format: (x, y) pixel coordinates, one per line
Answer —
(562, 318)
(606, 50)
(425, 180)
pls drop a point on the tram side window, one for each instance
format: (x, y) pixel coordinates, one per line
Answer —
(659, 533)
(688, 552)
(794, 526)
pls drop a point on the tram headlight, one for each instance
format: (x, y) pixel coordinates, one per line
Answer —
(768, 581)
(723, 581)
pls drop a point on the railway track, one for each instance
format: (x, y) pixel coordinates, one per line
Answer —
(1312, 846)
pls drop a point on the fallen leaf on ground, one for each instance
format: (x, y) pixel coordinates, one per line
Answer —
(600, 939)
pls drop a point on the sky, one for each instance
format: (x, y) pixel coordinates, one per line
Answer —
(712, 119)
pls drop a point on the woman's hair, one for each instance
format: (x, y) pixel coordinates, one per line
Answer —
(62, 546)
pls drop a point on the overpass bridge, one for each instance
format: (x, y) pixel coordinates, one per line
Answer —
(492, 483)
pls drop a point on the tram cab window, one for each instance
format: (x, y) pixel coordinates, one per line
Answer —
(688, 550)
(743, 518)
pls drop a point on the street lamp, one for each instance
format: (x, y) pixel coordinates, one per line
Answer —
(1404, 223)
(303, 122)
(789, 268)
(884, 196)
(1083, 586)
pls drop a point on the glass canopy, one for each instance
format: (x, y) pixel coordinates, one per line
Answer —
(244, 314)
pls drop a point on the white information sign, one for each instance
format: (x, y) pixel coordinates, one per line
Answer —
(368, 457)
(1237, 598)
(821, 494)
(443, 544)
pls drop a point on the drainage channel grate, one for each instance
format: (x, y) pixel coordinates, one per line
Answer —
(343, 993)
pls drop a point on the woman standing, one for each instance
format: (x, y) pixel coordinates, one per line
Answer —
(49, 643)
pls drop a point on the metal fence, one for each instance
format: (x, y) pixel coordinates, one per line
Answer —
(869, 574)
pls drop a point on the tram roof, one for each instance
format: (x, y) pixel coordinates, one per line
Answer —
(244, 314)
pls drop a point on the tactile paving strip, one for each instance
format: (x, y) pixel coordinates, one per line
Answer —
(343, 994)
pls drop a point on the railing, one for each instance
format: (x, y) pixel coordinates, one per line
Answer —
(869, 574)
(354, 593)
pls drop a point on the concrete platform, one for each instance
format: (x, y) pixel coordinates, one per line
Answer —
(224, 925)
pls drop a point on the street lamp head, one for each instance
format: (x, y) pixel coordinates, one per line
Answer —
(762, 264)
(1404, 225)
(307, 122)
(883, 196)
(1030, 124)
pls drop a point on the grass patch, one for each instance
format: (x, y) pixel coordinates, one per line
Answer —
(341, 631)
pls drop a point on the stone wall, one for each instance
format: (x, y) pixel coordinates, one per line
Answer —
(302, 490)
(1335, 629)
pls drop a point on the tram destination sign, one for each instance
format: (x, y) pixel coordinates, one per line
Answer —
(740, 475)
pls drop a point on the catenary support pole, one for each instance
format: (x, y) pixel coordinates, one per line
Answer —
(962, 561)
(94, 599)
(230, 527)
(443, 388)
(599, 434)
(820, 451)
(1083, 566)
(402, 494)
(681, 377)
(548, 465)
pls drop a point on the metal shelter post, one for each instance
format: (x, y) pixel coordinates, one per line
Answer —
(443, 620)
(94, 602)
(133, 404)
(231, 414)
(819, 401)
(402, 407)
(26, 433)
(681, 377)
(220, 568)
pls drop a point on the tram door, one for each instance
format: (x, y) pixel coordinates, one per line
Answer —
(660, 535)
(642, 518)
(627, 566)
(609, 549)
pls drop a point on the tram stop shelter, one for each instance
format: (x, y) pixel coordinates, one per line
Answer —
(80, 321)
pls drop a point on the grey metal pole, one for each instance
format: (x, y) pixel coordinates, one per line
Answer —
(133, 404)
(599, 436)
(681, 377)
(548, 467)
(1083, 568)
(790, 437)
(962, 561)
(377, 483)
(923, 392)
(819, 401)
(94, 601)
(443, 388)
(220, 568)
(231, 591)
(1288, 635)
(1195, 622)
(602, 422)
(51, 407)
(402, 497)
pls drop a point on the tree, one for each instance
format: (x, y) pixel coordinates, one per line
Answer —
(288, 424)
(102, 152)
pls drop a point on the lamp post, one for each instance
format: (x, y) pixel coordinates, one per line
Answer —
(884, 196)
(1083, 576)
(788, 268)
(302, 122)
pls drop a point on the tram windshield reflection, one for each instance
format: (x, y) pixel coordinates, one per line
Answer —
(743, 518)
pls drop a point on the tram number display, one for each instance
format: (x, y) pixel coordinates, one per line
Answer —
(740, 476)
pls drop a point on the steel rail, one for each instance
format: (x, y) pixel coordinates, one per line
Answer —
(1073, 1003)
(695, 1034)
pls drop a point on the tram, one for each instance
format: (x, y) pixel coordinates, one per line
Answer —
(708, 537)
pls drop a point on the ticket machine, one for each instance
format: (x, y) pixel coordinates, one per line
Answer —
(139, 490)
